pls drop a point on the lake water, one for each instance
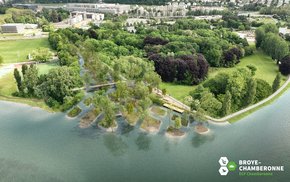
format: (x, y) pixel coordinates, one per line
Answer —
(40, 146)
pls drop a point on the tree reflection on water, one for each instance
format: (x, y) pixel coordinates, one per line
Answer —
(115, 144)
(200, 139)
(143, 142)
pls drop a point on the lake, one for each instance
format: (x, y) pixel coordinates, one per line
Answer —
(39, 146)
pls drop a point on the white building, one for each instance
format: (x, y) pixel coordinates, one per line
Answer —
(79, 16)
(99, 8)
(30, 26)
(12, 28)
(284, 31)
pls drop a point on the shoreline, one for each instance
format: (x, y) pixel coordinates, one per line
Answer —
(252, 108)
(222, 121)
(202, 130)
(26, 102)
(151, 130)
(20, 104)
(110, 130)
(168, 135)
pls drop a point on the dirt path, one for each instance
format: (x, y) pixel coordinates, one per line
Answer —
(7, 68)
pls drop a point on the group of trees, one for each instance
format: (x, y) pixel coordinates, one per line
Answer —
(282, 12)
(20, 16)
(64, 41)
(232, 56)
(187, 37)
(104, 64)
(230, 92)
(27, 82)
(232, 20)
(55, 87)
(54, 15)
(284, 66)
(42, 18)
(186, 69)
(268, 39)
(42, 55)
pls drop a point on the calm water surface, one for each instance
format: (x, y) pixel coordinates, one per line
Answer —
(40, 146)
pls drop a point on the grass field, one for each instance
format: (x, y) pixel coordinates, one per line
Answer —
(44, 68)
(17, 50)
(8, 87)
(266, 67)
(177, 91)
(266, 70)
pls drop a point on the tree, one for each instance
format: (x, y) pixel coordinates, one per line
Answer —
(17, 77)
(121, 92)
(59, 83)
(263, 90)
(54, 16)
(108, 108)
(226, 107)
(252, 68)
(210, 104)
(177, 122)
(284, 66)
(164, 91)
(237, 86)
(277, 82)
(262, 31)
(42, 55)
(275, 46)
(30, 80)
(251, 91)
(24, 68)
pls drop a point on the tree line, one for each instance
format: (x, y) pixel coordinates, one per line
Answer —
(269, 40)
(231, 92)
(55, 87)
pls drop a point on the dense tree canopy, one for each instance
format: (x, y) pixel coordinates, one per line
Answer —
(268, 39)
(190, 69)
(284, 66)
(229, 92)
(58, 84)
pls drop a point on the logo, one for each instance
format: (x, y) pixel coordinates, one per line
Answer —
(248, 167)
(226, 166)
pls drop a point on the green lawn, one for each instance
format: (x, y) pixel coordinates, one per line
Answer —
(17, 50)
(44, 68)
(266, 70)
(177, 91)
(265, 20)
(266, 67)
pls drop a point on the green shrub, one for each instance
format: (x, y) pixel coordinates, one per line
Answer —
(88, 101)
(74, 112)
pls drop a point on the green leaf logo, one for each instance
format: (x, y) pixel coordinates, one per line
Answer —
(232, 166)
